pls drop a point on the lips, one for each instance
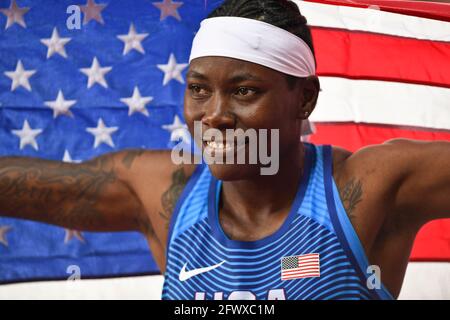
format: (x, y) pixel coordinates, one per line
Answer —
(222, 147)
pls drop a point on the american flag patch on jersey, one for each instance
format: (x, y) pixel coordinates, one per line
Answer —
(297, 267)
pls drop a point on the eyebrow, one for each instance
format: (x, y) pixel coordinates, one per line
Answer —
(195, 74)
(236, 78)
(244, 76)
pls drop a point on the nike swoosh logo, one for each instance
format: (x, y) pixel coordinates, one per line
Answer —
(185, 275)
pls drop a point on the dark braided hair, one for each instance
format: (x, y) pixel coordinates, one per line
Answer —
(283, 14)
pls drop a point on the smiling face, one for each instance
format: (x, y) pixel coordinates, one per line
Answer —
(226, 93)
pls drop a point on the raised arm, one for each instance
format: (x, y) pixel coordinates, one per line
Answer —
(94, 196)
(409, 179)
(424, 172)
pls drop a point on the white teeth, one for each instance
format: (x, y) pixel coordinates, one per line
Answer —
(218, 145)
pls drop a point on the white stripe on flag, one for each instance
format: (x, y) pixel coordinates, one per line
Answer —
(351, 18)
(382, 102)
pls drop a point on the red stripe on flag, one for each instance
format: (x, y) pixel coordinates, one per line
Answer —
(301, 275)
(311, 270)
(306, 259)
(309, 264)
(301, 269)
(362, 55)
(352, 136)
(430, 10)
(432, 242)
(316, 255)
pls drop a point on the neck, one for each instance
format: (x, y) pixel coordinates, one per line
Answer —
(262, 195)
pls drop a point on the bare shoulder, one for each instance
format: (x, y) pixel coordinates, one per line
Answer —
(367, 180)
(389, 191)
(373, 180)
(374, 159)
(158, 183)
(139, 163)
(151, 172)
(340, 155)
(388, 162)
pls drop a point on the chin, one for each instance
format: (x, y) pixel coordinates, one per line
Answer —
(232, 172)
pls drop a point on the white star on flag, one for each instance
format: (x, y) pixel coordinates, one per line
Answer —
(92, 11)
(132, 40)
(20, 77)
(168, 8)
(27, 136)
(15, 15)
(178, 130)
(60, 106)
(70, 234)
(172, 70)
(96, 74)
(55, 44)
(67, 158)
(136, 102)
(3, 231)
(102, 133)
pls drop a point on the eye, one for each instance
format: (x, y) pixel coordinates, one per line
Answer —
(197, 90)
(245, 91)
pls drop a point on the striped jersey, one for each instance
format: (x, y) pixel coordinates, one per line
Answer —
(315, 254)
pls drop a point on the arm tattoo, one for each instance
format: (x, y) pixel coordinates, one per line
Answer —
(55, 192)
(351, 196)
(170, 197)
(144, 225)
(130, 156)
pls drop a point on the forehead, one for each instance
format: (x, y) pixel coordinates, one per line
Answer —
(231, 68)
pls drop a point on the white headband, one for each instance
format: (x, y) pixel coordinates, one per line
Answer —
(253, 41)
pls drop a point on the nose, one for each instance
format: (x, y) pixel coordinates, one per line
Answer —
(218, 115)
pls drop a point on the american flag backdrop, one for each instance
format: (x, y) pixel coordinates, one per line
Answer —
(117, 82)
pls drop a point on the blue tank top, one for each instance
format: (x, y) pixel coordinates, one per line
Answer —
(315, 254)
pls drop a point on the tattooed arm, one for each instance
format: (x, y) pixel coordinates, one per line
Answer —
(159, 196)
(351, 195)
(170, 197)
(97, 195)
(408, 180)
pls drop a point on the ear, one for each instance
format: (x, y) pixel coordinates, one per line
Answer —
(309, 92)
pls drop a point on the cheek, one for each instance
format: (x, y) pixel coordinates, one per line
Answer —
(282, 119)
(191, 114)
(266, 116)
(189, 120)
